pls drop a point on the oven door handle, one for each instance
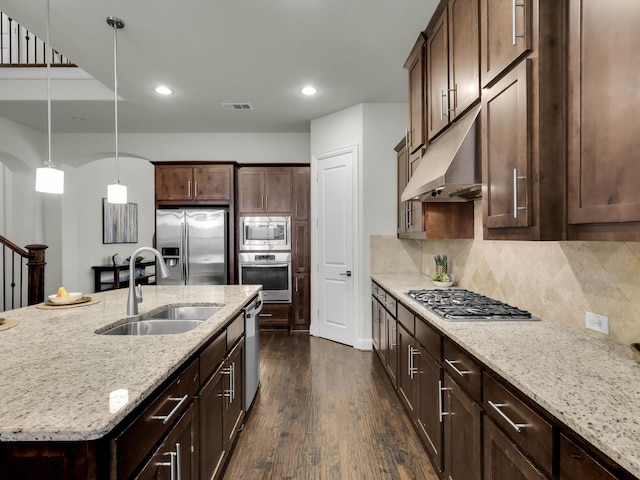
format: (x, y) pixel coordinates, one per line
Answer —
(264, 265)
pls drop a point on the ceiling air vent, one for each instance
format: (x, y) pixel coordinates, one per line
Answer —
(237, 106)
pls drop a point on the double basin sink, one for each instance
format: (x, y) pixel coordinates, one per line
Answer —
(167, 321)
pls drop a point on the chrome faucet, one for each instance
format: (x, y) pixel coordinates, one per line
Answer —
(134, 298)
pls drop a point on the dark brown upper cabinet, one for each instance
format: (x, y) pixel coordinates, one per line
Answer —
(603, 141)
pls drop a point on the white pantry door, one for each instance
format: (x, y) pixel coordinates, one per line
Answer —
(335, 236)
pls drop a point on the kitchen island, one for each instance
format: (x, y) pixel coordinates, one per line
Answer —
(64, 382)
(585, 383)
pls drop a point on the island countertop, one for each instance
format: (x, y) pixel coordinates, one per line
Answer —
(61, 381)
(590, 384)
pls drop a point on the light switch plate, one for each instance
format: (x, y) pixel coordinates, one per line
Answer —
(596, 322)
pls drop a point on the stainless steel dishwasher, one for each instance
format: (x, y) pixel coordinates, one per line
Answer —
(252, 350)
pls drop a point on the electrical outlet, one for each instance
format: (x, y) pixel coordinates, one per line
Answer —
(427, 272)
(596, 322)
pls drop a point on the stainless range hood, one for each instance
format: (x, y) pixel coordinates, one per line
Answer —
(450, 170)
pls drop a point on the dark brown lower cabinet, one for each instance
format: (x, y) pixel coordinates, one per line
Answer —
(177, 456)
(462, 434)
(502, 458)
(408, 388)
(391, 355)
(301, 301)
(233, 369)
(375, 325)
(275, 315)
(211, 404)
(576, 463)
(430, 419)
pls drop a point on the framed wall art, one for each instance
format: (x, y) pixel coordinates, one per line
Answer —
(119, 222)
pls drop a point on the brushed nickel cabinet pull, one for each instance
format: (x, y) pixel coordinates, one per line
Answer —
(497, 407)
(514, 4)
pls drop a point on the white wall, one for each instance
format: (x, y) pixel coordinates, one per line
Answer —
(375, 129)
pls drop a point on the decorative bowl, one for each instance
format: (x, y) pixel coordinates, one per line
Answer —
(635, 348)
(442, 284)
(71, 298)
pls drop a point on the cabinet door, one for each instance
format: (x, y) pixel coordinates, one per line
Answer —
(576, 463)
(177, 455)
(301, 193)
(212, 182)
(375, 324)
(464, 54)
(301, 301)
(603, 110)
(407, 372)
(174, 183)
(392, 348)
(505, 35)
(430, 419)
(417, 103)
(503, 460)
(251, 190)
(233, 372)
(277, 190)
(211, 405)
(438, 77)
(462, 434)
(301, 246)
(506, 151)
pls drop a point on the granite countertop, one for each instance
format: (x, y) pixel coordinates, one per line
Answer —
(590, 384)
(63, 382)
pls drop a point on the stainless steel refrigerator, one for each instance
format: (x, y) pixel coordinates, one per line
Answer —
(193, 243)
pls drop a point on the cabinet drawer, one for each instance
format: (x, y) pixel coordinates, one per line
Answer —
(212, 356)
(429, 338)
(576, 463)
(406, 318)
(235, 331)
(390, 303)
(134, 443)
(531, 432)
(275, 315)
(464, 369)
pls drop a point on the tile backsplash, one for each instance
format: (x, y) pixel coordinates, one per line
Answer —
(557, 281)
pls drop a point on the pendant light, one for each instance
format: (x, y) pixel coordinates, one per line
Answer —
(116, 193)
(48, 178)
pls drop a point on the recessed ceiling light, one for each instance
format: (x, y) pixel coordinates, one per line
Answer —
(308, 90)
(162, 90)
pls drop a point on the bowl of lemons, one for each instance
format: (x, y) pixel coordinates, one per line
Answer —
(62, 297)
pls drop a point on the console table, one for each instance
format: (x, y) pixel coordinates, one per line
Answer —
(116, 282)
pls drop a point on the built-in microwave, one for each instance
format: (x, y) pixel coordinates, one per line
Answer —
(265, 233)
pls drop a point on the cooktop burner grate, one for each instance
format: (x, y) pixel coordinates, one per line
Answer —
(463, 305)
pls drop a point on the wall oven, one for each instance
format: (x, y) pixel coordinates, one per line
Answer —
(265, 233)
(272, 270)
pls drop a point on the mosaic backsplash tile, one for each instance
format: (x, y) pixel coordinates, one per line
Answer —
(556, 281)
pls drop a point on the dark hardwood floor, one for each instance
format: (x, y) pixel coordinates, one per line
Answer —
(325, 411)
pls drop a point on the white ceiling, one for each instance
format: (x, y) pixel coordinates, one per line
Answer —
(213, 51)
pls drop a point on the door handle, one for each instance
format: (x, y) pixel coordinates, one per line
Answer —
(346, 274)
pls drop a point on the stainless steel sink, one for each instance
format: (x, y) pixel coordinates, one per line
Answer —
(186, 312)
(153, 327)
(167, 321)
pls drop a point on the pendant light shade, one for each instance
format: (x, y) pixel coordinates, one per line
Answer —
(48, 178)
(116, 192)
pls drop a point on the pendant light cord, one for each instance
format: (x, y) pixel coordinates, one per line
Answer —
(115, 90)
(48, 53)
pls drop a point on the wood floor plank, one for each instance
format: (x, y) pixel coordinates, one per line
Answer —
(325, 411)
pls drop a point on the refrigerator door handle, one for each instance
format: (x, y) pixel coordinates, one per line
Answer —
(186, 251)
(182, 253)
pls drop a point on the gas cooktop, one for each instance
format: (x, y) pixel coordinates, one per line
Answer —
(465, 306)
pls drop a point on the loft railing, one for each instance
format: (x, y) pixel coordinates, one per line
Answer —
(20, 47)
(21, 273)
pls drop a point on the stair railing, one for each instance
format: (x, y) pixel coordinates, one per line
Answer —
(14, 262)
